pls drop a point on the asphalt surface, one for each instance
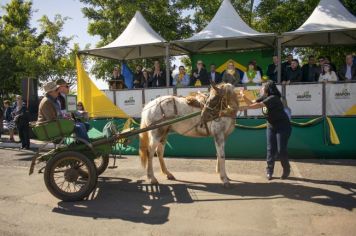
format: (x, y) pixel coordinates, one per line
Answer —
(318, 199)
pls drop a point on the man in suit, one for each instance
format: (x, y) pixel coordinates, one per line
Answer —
(272, 70)
(348, 71)
(213, 75)
(310, 72)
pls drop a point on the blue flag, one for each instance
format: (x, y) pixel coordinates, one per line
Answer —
(127, 73)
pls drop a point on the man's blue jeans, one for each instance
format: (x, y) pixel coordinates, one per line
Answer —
(81, 130)
(277, 146)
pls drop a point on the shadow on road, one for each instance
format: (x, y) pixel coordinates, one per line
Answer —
(137, 201)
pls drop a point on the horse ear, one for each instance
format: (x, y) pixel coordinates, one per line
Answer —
(213, 85)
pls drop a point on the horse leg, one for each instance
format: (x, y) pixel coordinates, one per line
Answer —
(152, 147)
(220, 149)
(217, 167)
(160, 153)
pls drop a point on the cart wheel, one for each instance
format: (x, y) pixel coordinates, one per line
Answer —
(101, 163)
(62, 176)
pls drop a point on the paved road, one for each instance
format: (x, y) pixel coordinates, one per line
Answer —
(318, 199)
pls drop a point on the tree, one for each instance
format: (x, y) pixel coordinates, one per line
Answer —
(29, 52)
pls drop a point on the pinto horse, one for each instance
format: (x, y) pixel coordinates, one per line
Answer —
(217, 120)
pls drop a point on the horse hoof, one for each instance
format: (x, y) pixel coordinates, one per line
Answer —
(170, 177)
(227, 185)
(153, 181)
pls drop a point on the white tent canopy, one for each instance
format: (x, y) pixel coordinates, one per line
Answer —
(138, 40)
(226, 31)
(329, 24)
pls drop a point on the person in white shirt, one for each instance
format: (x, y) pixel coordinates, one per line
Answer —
(327, 75)
(252, 75)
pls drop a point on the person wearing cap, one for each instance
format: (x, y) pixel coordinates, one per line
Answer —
(22, 121)
(49, 109)
(327, 74)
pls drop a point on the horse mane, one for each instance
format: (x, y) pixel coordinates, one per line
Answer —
(196, 100)
(232, 99)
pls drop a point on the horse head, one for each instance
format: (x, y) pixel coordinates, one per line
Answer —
(222, 101)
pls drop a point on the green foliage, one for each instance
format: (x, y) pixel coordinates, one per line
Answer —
(29, 52)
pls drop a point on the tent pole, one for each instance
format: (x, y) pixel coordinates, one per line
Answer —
(279, 55)
(167, 65)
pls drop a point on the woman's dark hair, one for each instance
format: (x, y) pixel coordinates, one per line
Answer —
(270, 88)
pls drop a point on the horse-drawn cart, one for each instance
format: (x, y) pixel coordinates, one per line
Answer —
(72, 168)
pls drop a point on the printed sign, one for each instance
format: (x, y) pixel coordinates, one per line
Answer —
(341, 99)
(151, 94)
(71, 103)
(305, 99)
(130, 101)
(191, 91)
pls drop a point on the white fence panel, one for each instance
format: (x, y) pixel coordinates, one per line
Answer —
(151, 94)
(305, 99)
(130, 101)
(341, 99)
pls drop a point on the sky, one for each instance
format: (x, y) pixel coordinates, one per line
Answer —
(75, 26)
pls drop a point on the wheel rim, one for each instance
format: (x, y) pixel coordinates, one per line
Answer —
(65, 175)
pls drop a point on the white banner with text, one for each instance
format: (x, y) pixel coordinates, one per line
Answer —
(130, 101)
(341, 99)
(305, 99)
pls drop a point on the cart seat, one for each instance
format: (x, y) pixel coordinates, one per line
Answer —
(53, 130)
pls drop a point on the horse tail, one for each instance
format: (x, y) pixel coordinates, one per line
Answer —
(144, 145)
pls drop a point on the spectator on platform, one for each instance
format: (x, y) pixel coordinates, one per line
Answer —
(9, 119)
(117, 80)
(231, 74)
(328, 74)
(252, 76)
(22, 121)
(199, 75)
(146, 78)
(158, 77)
(348, 71)
(310, 71)
(214, 75)
(182, 78)
(257, 67)
(321, 62)
(287, 64)
(328, 61)
(137, 77)
(293, 73)
(272, 69)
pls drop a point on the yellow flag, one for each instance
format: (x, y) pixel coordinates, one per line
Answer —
(96, 103)
(197, 83)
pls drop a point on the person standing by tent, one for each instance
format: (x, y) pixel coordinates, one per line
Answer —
(137, 77)
(158, 78)
(272, 69)
(182, 78)
(117, 80)
(214, 75)
(199, 75)
(348, 71)
(231, 74)
(278, 127)
(310, 72)
(252, 76)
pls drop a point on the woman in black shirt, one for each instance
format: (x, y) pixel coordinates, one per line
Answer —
(278, 127)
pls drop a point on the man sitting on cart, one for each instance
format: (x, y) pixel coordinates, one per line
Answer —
(49, 110)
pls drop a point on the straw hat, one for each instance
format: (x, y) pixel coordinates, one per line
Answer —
(50, 86)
